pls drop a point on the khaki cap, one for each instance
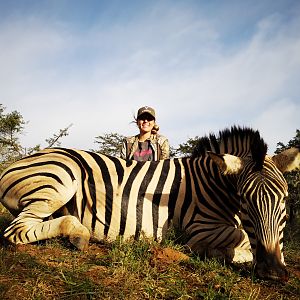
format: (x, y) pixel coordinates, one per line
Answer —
(146, 109)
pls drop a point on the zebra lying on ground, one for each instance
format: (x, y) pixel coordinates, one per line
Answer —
(227, 191)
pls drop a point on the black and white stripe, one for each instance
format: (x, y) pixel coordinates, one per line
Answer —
(229, 182)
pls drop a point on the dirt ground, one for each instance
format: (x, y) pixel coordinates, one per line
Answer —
(29, 265)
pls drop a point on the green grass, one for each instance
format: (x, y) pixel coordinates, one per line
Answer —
(132, 270)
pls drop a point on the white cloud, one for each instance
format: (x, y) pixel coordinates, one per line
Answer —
(279, 122)
(175, 61)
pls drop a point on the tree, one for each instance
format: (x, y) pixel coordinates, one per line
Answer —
(52, 142)
(187, 148)
(293, 180)
(11, 125)
(109, 143)
(55, 140)
(294, 142)
(173, 152)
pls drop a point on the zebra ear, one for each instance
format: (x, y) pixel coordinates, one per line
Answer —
(227, 163)
(287, 160)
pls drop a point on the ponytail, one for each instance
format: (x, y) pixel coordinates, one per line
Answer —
(155, 129)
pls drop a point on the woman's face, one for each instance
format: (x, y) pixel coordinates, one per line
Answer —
(145, 123)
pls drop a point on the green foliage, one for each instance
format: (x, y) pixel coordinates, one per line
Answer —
(173, 152)
(32, 150)
(294, 142)
(11, 125)
(186, 149)
(55, 140)
(109, 144)
(293, 179)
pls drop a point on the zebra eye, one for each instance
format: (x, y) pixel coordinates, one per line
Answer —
(283, 200)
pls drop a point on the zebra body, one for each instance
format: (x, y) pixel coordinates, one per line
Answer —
(131, 199)
(209, 196)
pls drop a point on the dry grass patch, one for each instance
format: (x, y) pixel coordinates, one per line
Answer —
(140, 269)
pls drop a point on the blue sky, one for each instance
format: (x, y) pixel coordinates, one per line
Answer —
(203, 65)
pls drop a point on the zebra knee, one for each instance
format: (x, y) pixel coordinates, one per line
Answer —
(242, 256)
(77, 233)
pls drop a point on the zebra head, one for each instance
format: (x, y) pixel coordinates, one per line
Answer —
(262, 190)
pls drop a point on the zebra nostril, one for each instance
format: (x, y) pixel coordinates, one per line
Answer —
(276, 274)
(269, 264)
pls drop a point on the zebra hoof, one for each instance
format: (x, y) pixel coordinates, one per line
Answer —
(80, 242)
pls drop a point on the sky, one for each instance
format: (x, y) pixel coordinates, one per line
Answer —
(202, 65)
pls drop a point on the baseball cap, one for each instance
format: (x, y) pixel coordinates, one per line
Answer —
(146, 109)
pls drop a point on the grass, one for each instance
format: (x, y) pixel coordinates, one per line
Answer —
(140, 269)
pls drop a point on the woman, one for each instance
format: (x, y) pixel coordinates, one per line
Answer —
(148, 144)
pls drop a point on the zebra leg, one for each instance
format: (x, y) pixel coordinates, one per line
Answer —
(226, 242)
(29, 227)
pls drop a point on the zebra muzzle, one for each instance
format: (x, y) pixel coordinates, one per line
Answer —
(268, 264)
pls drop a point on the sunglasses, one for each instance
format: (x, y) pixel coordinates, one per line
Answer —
(145, 117)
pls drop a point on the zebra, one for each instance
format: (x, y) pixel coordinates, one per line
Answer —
(227, 198)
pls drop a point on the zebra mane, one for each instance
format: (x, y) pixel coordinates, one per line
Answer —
(237, 141)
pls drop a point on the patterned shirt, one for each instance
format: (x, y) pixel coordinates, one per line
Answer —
(158, 144)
